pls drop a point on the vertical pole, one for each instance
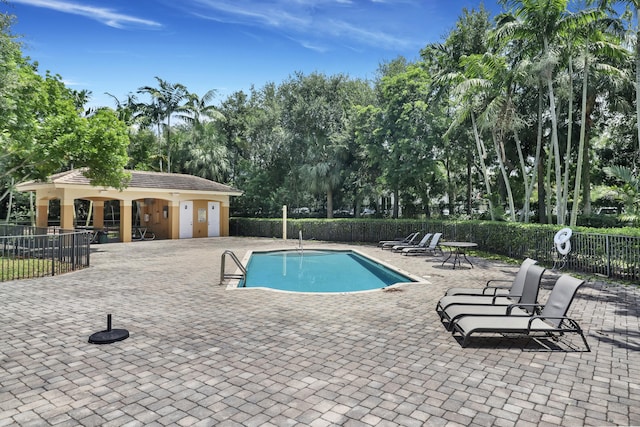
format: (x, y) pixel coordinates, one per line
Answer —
(608, 249)
(87, 247)
(73, 251)
(284, 222)
(222, 259)
(54, 245)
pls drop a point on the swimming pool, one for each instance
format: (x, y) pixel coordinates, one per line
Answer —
(319, 271)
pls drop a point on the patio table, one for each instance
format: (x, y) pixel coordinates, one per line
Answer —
(458, 251)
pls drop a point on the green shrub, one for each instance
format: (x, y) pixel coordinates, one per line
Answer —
(614, 252)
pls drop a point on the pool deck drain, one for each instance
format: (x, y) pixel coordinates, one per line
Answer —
(201, 355)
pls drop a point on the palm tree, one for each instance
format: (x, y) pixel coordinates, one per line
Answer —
(166, 100)
(126, 110)
(635, 6)
(469, 37)
(204, 153)
(198, 109)
(80, 98)
(542, 22)
(629, 191)
(597, 45)
(466, 94)
(497, 112)
(322, 177)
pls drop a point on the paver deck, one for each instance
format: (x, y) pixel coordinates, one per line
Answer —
(202, 355)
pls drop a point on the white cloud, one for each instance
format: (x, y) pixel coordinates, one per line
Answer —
(104, 15)
(70, 82)
(313, 23)
(268, 14)
(364, 35)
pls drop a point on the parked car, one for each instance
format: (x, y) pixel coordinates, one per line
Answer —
(607, 210)
(343, 212)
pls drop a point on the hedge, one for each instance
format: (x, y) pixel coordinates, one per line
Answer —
(614, 253)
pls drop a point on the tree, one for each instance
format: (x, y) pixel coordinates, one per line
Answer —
(315, 112)
(51, 136)
(443, 60)
(406, 131)
(166, 100)
(359, 177)
(105, 149)
(629, 190)
(44, 128)
(237, 117)
(264, 164)
(494, 91)
(198, 110)
(597, 45)
(634, 11)
(542, 22)
(202, 151)
(202, 148)
(466, 94)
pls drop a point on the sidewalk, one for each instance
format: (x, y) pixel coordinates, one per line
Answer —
(199, 354)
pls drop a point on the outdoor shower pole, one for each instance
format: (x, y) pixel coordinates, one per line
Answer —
(284, 222)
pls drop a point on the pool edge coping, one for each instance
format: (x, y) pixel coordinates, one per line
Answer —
(233, 283)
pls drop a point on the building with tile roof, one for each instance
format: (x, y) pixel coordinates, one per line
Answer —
(171, 205)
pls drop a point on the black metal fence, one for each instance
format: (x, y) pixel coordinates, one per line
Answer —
(27, 251)
(614, 256)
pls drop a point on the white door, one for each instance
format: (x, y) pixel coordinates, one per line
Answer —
(186, 219)
(213, 216)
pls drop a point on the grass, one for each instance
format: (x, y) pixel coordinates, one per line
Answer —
(20, 268)
(493, 257)
(586, 276)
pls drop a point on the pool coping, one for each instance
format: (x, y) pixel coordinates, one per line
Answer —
(233, 283)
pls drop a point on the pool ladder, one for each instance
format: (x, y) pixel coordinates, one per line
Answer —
(223, 275)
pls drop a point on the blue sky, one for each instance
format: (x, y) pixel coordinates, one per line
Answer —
(118, 46)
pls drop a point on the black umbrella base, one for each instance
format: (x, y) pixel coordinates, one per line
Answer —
(110, 335)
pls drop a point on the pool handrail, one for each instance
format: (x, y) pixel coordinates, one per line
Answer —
(235, 259)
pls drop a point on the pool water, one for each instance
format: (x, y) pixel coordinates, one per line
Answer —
(318, 271)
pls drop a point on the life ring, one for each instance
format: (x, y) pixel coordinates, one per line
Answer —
(564, 248)
(562, 236)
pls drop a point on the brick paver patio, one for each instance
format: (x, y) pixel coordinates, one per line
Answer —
(202, 355)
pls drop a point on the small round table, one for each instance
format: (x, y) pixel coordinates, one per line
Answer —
(458, 250)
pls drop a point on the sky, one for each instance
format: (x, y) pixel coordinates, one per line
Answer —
(118, 46)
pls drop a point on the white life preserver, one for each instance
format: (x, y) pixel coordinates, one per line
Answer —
(564, 248)
(562, 241)
(562, 236)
